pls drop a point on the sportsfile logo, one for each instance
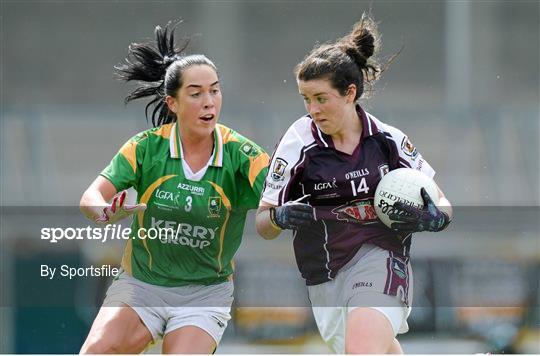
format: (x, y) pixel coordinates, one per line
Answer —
(109, 232)
(167, 232)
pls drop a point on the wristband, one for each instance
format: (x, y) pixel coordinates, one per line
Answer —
(273, 222)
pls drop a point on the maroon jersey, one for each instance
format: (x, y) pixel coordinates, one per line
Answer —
(341, 188)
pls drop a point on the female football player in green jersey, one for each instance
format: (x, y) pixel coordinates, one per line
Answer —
(195, 180)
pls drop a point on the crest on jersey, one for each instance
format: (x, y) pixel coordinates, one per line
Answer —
(249, 149)
(214, 206)
(399, 268)
(408, 148)
(383, 169)
(278, 170)
(359, 211)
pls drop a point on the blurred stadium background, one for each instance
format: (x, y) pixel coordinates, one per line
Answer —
(465, 88)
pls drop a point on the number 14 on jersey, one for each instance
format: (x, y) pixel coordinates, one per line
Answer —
(361, 188)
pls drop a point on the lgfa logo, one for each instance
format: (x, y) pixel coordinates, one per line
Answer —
(325, 185)
(168, 199)
(163, 194)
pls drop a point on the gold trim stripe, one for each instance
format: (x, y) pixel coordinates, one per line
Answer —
(126, 258)
(217, 147)
(226, 134)
(129, 151)
(177, 142)
(144, 199)
(227, 204)
(256, 165)
(164, 130)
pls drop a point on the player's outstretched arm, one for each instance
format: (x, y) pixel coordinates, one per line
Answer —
(263, 223)
(290, 216)
(94, 203)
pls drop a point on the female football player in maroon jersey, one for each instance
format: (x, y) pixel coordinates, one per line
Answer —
(321, 185)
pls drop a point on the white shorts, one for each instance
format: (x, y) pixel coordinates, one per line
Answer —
(374, 278)
(164, 309)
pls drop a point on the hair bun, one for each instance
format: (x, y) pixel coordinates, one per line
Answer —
(365, 42)
(356, 55)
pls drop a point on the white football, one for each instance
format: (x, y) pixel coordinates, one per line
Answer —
(402, 184)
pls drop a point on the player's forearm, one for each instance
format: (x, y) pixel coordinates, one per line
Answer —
(92, 203)
(96, 197)
(264, 225)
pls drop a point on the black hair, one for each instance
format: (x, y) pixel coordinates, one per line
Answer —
(347, 61)
(157, 69)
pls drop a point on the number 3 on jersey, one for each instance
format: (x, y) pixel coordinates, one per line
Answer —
(189, 201)
(362, 187)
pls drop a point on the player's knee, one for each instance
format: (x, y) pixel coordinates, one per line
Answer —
(367, 347)
(94, 347)
(395, 349)
(101, 345)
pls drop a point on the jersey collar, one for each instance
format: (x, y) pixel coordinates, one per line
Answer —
(175, 146)
(369, 128)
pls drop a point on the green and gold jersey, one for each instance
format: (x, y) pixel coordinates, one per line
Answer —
(193, 223)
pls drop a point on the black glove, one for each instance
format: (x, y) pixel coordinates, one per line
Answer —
(411, 219)
(292, 216)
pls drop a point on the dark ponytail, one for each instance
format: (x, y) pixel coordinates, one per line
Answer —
(347, 61)
(158, 69)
